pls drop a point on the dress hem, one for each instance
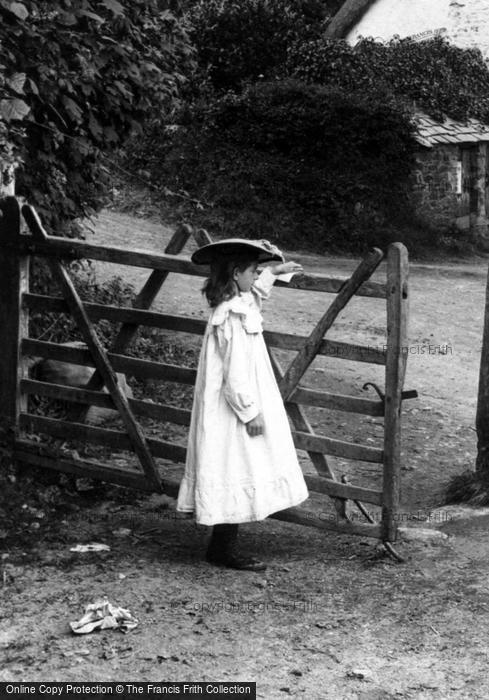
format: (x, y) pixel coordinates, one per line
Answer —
(244, 518)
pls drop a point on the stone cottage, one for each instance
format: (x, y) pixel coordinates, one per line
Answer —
(452, 177)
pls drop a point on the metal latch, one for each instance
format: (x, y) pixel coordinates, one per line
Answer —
(408, 394)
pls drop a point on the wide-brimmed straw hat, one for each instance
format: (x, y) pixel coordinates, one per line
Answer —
(262, 250)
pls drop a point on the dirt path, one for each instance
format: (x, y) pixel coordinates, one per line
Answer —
(332, 617)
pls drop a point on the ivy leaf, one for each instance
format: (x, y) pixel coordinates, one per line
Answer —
(17, 82)
(111, 134)
(92, 15)
(133, 71)
(108, 39)
(11, 110)
(67, 18)
(149, 65)
(123, 89)
(19, 10)
(95, 128)
(33, 86)
(72, 108)
(113, 6)
(87, 89)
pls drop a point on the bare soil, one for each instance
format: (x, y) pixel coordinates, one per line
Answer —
(333, 616)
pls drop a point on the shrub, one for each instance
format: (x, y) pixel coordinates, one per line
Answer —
(80, 77)
(303, 164)
(439, 77)
(242, 40)
(61, 328)
(318, 152)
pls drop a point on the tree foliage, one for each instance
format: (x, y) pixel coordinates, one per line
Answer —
(79, 76)
(243, 40)
(240, 41)
(302, 164)
(303, 138)
(437, 76)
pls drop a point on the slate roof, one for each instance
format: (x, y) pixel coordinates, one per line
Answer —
(432, 132)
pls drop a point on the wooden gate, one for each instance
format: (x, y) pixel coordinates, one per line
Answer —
(16, 301)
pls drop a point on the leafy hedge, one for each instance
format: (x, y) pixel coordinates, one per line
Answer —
(302, 164)
(437, 76)
(80, 77)
(305, 139)
(243, 40)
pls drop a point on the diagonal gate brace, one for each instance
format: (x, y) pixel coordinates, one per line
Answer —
(99, 355)
(143, 300)
(289, 381)
(306, 355)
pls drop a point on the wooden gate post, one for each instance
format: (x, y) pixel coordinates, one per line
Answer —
(14, 281)
(397, 314)
(482, 415)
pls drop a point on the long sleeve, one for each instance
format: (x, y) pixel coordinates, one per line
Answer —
(232, 344)
(263, 285)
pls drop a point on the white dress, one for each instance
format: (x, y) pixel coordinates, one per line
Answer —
(231, 477)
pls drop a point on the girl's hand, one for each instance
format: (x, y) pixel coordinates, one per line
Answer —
(255, 426)
(284, 268)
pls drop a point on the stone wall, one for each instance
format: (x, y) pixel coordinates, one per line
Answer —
(440, 174)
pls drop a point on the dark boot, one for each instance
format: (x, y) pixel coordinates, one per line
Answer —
(223, 550)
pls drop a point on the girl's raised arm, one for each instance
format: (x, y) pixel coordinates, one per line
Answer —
(263, 285)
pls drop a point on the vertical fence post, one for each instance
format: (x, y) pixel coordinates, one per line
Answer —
(397, 314)
(14, 281)
(482, 415)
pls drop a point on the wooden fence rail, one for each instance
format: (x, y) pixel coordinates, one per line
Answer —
(18, 424)
(63, 249)
(185, 324)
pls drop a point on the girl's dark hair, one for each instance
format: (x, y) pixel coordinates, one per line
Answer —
(220, 285)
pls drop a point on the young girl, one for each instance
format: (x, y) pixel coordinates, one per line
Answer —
(241, 462)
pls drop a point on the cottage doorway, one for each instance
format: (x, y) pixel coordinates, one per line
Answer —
(468, 200)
